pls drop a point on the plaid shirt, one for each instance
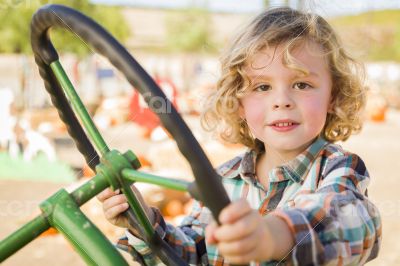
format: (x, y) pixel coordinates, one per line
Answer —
(321, 194)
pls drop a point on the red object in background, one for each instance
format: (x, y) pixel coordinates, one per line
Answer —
(141, 114)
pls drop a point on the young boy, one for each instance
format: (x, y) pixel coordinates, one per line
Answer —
(288, 91)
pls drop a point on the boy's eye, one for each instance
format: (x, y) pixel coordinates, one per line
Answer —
(263, 87)
(301, 86)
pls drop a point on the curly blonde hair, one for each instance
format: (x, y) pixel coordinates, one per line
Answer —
(272, 28)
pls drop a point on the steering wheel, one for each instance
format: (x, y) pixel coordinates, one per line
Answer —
(207, 182)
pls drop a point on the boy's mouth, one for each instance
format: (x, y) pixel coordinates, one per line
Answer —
(283, 125)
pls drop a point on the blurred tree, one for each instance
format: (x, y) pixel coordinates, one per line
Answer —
(15, 16)
(189, 31)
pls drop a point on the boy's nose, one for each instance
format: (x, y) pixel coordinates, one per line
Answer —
(283, 106)
(282, 101)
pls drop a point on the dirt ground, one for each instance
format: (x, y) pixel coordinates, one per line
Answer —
(378, 145)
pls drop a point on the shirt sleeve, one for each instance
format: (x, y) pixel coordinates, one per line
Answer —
(187, 240)
(336, 224)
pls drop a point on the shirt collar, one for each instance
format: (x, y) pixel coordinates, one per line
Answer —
(299, 167)
(295, 169)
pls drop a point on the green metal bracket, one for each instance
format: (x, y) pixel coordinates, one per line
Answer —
(23, 236)
(64, 214)
(111, 166)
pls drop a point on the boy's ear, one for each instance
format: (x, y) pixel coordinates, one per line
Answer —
(331, 109)
(331, 106)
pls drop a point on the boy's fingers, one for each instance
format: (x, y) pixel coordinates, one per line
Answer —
(105, 194)
(210, 230)
(239, 247)
(114, 201)
(234, 211)
(239, 229)
(113, 212)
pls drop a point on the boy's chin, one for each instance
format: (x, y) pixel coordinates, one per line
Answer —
(289, 145)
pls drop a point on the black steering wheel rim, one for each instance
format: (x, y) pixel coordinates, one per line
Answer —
(208, 182)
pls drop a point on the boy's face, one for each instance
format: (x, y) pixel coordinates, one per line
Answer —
(285, 108)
